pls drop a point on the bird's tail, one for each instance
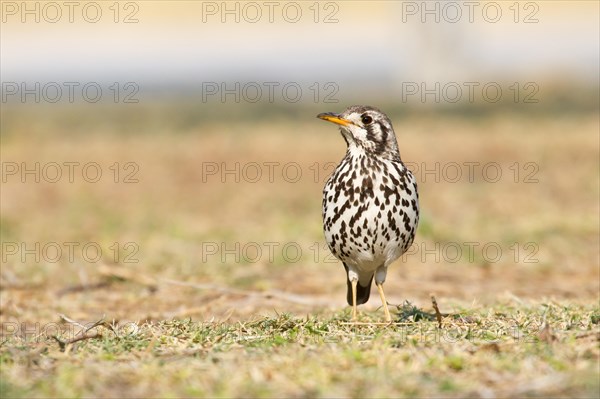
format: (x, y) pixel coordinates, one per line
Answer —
(362, 292)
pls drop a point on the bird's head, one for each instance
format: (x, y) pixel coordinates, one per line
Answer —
(368, 128)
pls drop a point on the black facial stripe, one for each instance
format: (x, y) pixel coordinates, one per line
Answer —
(380, 143)
(384, 133)
(345, 139)
(371, 132)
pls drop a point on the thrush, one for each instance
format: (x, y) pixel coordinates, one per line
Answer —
(370, 203)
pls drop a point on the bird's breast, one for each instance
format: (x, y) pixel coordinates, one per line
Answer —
(370, 211)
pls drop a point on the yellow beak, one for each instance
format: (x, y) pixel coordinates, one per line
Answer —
(335, 118)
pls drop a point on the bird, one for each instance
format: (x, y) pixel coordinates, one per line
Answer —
(370, 205)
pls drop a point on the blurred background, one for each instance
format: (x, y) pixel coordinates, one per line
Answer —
(153, 150)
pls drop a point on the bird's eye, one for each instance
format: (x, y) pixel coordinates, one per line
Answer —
(366, 119)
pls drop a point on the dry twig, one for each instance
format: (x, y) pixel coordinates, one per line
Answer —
(83, 287)
(546, 334)
(63, 344)
(83, 334)
(438, 315)
(288, 297)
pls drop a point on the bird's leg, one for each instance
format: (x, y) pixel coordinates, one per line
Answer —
(354, 282)
(388, 318)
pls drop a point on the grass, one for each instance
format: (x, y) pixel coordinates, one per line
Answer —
(198, 297)
(512, 350)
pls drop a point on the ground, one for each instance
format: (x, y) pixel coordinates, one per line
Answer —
(194, 264)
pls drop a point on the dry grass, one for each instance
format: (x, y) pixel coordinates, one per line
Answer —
(514, 350)
(184, 317)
